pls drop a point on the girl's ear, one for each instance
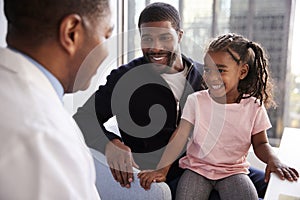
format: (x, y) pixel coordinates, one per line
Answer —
(244, 71)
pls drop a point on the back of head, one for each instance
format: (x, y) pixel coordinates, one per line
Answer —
(38, 20)
(160, 12)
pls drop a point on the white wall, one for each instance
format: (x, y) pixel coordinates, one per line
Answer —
(3, 25)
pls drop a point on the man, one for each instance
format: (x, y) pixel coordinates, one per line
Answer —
(42, 151)
(142, 134)
(146, 96)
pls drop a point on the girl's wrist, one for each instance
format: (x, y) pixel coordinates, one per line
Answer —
(273, 160)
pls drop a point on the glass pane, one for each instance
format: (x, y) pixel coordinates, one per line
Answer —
(293, 116)
(197, 25)
(266, 22)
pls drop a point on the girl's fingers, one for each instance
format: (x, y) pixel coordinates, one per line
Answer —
(267, 174)
(293, 174)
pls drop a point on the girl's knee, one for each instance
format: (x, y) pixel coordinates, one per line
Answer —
(237, 187)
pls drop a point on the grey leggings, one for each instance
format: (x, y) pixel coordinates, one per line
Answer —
(193, 186)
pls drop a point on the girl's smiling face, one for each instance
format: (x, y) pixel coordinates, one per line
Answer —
(222, 75)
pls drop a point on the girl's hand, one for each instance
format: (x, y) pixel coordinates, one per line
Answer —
(283, 171)
(147, 177)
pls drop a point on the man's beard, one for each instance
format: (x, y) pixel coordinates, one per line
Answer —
(171, 57)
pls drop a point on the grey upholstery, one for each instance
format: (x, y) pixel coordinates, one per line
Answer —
(109, 189)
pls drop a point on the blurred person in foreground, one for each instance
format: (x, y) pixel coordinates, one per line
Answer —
(42, 151)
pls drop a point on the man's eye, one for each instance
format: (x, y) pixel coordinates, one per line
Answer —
(146, 39)
(165, 38)
(221, 70)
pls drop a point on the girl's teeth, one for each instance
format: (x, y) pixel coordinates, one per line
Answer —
(216, 87)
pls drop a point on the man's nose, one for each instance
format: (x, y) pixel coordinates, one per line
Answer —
(156, 46)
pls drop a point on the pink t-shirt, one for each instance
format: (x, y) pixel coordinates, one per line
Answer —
(222, 134)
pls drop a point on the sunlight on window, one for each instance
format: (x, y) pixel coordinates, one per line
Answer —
(265, 22)
(296, 41)
(294, 104)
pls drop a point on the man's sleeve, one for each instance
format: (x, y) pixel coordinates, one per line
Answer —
(95, 134)
(94, 113)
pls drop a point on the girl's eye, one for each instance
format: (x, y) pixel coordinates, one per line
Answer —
(206, 70)
(221, 70)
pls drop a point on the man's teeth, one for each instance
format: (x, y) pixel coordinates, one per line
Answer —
(157, 58)
(216, 86)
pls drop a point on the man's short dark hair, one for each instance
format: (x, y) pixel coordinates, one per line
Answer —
(160, 12)
(41, 18)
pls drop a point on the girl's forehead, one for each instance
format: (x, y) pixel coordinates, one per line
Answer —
(218, 58)
(216, 55)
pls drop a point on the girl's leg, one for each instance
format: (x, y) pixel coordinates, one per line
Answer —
(193, 186)
(236, 187)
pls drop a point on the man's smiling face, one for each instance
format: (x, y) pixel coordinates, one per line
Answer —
(159, 42)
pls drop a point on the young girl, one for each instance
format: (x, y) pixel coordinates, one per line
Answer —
(224, 121)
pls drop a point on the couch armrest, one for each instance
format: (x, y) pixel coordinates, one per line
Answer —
(109, 189)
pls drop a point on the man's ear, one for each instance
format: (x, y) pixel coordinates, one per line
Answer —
(69, 32)
(244, 71)
(180, 35)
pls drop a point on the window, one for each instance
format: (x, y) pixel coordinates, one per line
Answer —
(267, 22)
(3, 25)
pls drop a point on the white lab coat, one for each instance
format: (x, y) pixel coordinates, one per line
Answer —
(42, 152)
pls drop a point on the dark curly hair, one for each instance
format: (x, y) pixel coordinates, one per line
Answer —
(258, 82)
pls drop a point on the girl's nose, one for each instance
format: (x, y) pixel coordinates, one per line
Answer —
(214, 75)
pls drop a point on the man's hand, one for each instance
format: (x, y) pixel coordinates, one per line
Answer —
(120, 161)
(147, 177)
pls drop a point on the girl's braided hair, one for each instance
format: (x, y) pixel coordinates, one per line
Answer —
(258, 82)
